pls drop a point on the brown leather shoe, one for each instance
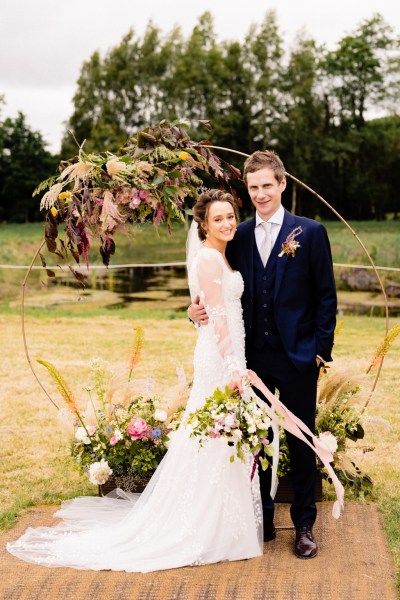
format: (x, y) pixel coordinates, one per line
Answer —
(269, 532)
(305, 546)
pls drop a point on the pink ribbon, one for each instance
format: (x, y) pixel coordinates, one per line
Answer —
(286, 419)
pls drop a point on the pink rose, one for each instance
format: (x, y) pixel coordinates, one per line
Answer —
(143, 194)
(113, 440)
(136, 428)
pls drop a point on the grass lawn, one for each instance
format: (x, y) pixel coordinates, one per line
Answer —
(36, 469)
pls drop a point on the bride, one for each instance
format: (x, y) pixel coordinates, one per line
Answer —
(198, 507)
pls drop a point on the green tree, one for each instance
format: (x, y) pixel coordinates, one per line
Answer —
(123, 92)
(24, 162)
(264, 60)
(358, 70)
(197, 75)
(300, 130)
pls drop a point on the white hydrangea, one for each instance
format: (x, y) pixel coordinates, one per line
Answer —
(99, 472)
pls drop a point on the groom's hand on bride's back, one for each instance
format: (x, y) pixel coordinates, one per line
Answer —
(197, 313)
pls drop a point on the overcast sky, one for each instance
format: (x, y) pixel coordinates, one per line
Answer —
(43, 43)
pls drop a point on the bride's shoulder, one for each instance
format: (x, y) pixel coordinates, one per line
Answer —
(209, 254)
(209, 259)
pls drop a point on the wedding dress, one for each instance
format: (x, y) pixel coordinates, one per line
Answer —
(198, 507)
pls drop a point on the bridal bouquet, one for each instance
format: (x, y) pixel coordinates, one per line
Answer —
(236, 421)
(122, 429)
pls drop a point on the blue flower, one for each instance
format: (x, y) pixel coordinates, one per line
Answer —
(109, 430)
(156, 432)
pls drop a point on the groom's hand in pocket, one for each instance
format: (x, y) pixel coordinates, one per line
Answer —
(197, 313)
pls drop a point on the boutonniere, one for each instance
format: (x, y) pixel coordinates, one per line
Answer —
(290, 245)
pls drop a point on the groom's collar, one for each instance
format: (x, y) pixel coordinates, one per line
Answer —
(277, 217)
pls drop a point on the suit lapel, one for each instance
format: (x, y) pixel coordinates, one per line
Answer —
(289, 222)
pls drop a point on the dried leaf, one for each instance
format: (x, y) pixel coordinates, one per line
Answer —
(62, 386)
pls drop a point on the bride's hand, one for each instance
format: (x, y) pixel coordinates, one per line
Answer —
(241, 382)
(197, 312)
(236, 384)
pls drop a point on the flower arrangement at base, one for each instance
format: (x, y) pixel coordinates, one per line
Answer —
(236, 420)
(338, 420)
(123, 429)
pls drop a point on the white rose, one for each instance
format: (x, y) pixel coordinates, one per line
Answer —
(160, 415)
(329, 440)
(82, 436)
(99, 472)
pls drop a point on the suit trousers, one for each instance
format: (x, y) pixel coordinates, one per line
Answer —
(297, 391)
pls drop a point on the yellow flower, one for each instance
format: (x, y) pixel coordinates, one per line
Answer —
(65, 196)
(183, 155)
(53, 211)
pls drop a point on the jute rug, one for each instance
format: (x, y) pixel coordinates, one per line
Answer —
(353, 563)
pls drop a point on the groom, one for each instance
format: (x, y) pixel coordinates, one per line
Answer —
(289, 311)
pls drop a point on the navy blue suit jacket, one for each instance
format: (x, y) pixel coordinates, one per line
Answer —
(305, 299)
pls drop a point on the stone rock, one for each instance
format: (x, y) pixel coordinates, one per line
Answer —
(360, 279)
(393, 289)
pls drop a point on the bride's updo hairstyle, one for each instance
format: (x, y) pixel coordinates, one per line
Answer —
(202, 206)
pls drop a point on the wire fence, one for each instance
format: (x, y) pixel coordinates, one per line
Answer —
(84, 268)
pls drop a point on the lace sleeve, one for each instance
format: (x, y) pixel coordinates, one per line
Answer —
(210, 277)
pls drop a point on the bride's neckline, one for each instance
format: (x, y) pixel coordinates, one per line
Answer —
(221, 255)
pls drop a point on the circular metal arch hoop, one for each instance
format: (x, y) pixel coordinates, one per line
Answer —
(293, 178)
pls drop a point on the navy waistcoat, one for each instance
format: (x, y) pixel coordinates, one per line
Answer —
(264, 329)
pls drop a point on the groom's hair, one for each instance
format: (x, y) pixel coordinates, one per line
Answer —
(267, 159)
(200, 209)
